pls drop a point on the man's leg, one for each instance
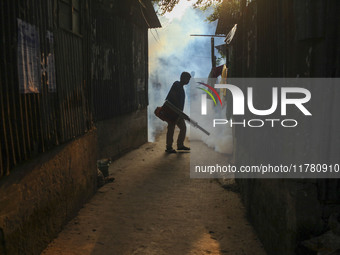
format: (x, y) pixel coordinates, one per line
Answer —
(182, 132)
(170, 135)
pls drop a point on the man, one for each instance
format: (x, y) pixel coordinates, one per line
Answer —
(176, 96)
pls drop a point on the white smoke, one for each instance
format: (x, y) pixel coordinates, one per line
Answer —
(221, 137)
(171, 51)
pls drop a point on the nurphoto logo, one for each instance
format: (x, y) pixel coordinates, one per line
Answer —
(286, 98)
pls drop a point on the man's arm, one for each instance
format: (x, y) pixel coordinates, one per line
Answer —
(184, 116)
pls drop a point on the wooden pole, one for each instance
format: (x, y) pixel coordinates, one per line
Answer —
(213, 58)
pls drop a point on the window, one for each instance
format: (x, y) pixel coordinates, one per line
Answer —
(69, 15)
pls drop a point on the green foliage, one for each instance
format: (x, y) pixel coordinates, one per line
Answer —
(229, 6)
(205, 4)
(216, 13)
(165, 5)
(168, 5)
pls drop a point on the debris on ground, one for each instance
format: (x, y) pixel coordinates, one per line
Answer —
(327, 243)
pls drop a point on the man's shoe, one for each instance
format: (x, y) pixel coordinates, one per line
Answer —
(170, 150)
(183, 148)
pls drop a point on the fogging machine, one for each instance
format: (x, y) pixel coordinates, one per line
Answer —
(170, 113)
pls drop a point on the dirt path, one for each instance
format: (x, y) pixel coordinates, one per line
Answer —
(153, 207)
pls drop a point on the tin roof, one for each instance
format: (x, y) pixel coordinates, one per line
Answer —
(150, 14)
(225, 21)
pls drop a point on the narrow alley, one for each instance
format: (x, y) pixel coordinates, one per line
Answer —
(254, 85)
(153, 207)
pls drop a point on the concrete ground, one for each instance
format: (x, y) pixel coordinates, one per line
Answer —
(153, 207)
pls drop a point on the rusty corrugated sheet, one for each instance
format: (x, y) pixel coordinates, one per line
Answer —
(32, 123)
(101, 72)
(119, 60)
(291, 38)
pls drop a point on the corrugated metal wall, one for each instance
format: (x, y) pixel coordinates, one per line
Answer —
(119, 59)
(98, 54)
(34, 122)
(290, 38)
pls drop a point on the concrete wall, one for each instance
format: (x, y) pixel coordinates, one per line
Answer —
(122, 134)
(40, 196)
(283, 212)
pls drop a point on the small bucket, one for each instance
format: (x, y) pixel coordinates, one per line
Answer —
(103, 165)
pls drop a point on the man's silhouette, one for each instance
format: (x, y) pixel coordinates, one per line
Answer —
(176, 96)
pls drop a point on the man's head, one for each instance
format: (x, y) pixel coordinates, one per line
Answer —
(185, 78)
